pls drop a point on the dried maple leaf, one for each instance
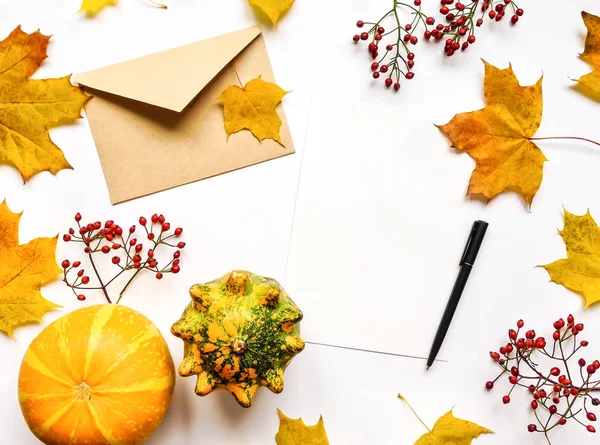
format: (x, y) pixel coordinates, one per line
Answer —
(253, 108)
(23, 271)
(295, 432)
(273, 9)
(580, 271)
(29, 107)
(449, 430)
(498, 137)
(591, 54)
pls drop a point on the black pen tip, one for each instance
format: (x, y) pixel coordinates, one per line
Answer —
(428, 368)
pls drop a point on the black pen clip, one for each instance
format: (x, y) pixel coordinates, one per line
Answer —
(464, 255)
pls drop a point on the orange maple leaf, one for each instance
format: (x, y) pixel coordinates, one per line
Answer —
(29, 107)
(24, 269)
(498, 137)
(591, 54)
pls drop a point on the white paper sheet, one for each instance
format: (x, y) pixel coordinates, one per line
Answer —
(380, 225)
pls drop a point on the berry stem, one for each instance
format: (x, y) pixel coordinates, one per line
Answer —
(127, 284)
(99, 279)
(401, 397)
(565, 137)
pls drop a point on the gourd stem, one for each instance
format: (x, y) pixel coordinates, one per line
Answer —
(127, 285)
(565, 137)
(99, 279)
(401, 397)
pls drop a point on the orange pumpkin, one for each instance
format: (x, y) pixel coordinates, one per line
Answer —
(102, 375)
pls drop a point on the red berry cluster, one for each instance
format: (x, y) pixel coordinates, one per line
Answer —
(564, 392)
(127, 252)
(397, 59)
(464, 18)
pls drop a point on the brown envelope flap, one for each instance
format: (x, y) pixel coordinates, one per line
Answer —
(170, 79)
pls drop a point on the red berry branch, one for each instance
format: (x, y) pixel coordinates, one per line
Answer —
(127, 252)
(398, 59)
(566, 390)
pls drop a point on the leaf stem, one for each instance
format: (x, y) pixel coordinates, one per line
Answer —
(565, 137)
(160, 5)
(401, 397)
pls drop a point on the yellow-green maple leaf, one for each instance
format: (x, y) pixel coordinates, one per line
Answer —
(591, 54)
(498, 137)
(253, 108)
(449, 430)
(580, 271)
(295, 432)
(29, 107)
(92, 7)
(273, 9)
(24, 269)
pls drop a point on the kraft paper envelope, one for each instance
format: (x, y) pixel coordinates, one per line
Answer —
(156, 120)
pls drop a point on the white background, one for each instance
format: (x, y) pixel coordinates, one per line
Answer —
(242, 220)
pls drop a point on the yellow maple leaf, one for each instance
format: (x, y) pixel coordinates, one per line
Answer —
(253, 108)
(295, 432)
(273, 9)
(498, 137)
(580, 271)
(29, 107)
(92, 7)
(24, 269)
(591, 54)
(449, 430)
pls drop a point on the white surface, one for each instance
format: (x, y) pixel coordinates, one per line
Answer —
(366, 247)
(243, 219)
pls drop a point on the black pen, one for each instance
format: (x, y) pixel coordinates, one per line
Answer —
(466, 264)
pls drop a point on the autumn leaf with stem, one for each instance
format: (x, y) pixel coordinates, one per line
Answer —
(253, 107)
(448, 430)
(29, 107)
(500, 137)
(591, 54)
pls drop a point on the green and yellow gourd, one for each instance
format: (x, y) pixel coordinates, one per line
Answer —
(240, 332)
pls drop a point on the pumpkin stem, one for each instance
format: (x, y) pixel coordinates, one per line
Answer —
(401, 397)
(83, 391)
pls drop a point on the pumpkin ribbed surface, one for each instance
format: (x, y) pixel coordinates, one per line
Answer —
(240, 332)
(101, 375)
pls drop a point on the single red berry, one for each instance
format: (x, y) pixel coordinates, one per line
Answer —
(556, 400)
(596, 364)
(430, 20)
(552, 409)
(116, 246)
(119, 231)
(530, 335)
(499, 8)
(97, 225)
(406, 37)
(109, 237)
(378, 37)
(81, 297)
(427, 35)
(408, 27)
(512, 334)
(570, 319)
(591, 417)
(410, 56)
(176, 263)
(139, 248)
(534, 404)
(116, 260)
(584, 343)
(178, 231)
(489, 386)
(374, 66)
(360, 24)
(175, 269)
(506, 400)
(444, 10)
(410, 75)
(151, 253)
(136, 265)
(151, 236)
(388, 82)
(166, 227)
(176, 254)
(86, 249)
(363, 36)
(133, 242)
(562, 421)
(514, 18)
(591, 369)
(80, 273)
(78, 217)
(90, 227)
(105, 249)
(66, 264)
(495, 355)
(492, 14)
(581, 362)
(414, 40)
(66, 237)
(85, 280)
(410, 63)
(556, 336)
(132, 229)
(142, 221)
(71, 231)
(137, 258)
(381, 30)
(417, 2)
(591, 429)
(76, 264)
(555, 371)
(159, 276)
(513, 380)
(356, 38)
(532, 428)
(384, 68)
(520, 12)
(154, 217)
(479, 22)
(471, 39)
(180, 245)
